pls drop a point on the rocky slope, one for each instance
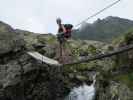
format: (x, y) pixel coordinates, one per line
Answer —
(24, 78)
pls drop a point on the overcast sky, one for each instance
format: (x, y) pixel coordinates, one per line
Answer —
(40, 15)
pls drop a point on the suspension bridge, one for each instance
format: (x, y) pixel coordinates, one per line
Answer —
(53, 62)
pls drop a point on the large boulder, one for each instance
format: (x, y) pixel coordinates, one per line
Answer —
(10, 42)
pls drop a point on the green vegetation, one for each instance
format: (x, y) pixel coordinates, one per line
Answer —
(124, 38)
(126, 79)
(47, 38)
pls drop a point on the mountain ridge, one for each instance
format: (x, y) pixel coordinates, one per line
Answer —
(103, 29)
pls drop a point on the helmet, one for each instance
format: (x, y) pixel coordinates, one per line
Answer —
(58, 20)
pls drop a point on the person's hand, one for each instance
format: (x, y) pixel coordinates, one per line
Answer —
(58, 20)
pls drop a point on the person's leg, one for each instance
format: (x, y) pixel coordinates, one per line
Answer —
(60, 37)
(68, 56)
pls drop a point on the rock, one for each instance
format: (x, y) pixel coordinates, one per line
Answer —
(49, 51)
(116, 91)
(10, 42)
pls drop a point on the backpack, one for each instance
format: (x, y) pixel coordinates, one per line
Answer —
(68, 28)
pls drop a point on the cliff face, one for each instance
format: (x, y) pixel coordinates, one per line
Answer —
(24, 78)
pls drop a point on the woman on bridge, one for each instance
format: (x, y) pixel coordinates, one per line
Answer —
(64, 33)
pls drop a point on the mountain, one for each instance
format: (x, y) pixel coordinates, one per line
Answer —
(103, 29)
(5, 27)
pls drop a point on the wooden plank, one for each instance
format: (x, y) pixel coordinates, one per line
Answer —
(43, 59)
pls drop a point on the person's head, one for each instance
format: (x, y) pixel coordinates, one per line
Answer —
(58, 20)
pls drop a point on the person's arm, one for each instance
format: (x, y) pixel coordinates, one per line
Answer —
(64, 29)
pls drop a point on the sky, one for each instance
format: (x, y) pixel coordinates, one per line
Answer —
(40, 15)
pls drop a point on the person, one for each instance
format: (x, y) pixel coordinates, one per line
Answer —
(64, 33)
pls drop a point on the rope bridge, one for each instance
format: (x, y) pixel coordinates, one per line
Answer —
(52, 62)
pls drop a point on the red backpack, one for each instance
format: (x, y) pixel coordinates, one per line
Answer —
(68, 28)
